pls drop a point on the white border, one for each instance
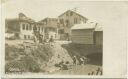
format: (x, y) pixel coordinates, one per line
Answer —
(40, 75)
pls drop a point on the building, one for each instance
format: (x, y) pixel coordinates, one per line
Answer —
(69, 19)
(83, 33)
(22, 27)
(50, 27)
(98, 35)
(63, 28)
(25, 28)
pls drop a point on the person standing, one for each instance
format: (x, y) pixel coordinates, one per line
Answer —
(51, 41)
(75, 61)
(82, 61)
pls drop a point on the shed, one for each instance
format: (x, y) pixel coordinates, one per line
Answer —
(98, 35)
(83, 33)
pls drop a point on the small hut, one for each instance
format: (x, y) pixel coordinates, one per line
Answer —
(83, 33)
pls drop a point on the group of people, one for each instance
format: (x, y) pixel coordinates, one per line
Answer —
(40, 39)
(81, 61)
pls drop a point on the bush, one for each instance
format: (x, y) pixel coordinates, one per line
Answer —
(29, 60)
(11, 52)
(30, 64)
(26, 63)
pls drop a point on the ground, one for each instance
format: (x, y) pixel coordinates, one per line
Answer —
(45, 57)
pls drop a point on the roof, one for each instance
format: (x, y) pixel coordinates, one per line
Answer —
(48, 18)
(13, 19)
(83, 26)
(44, 20)
(49, 22)
(99, 27)
(23, 17)
(20, 20)
(73, 12)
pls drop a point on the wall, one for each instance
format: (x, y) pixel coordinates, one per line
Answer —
(51, 28)
(84, 36)
(26, 33)
(98, 37)
(71, 19)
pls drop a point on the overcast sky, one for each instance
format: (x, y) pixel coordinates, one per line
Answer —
(39, 9)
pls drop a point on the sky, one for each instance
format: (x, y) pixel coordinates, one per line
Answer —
(39, 9)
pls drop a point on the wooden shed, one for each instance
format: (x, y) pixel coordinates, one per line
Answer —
(83, 33)
(98, 35)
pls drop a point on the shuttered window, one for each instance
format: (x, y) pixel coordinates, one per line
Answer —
(27, 27)
(23, 26)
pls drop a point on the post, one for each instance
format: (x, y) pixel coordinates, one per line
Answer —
(43, 33)
(57, 34)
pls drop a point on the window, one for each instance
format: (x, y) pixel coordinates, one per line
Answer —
(34, 28)
(27, 27)
(75, 20)
(61, 21)
(30, 28)
(67, 14)
(23, 26)
(71, 13)
(28, 36)
(67, 21)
